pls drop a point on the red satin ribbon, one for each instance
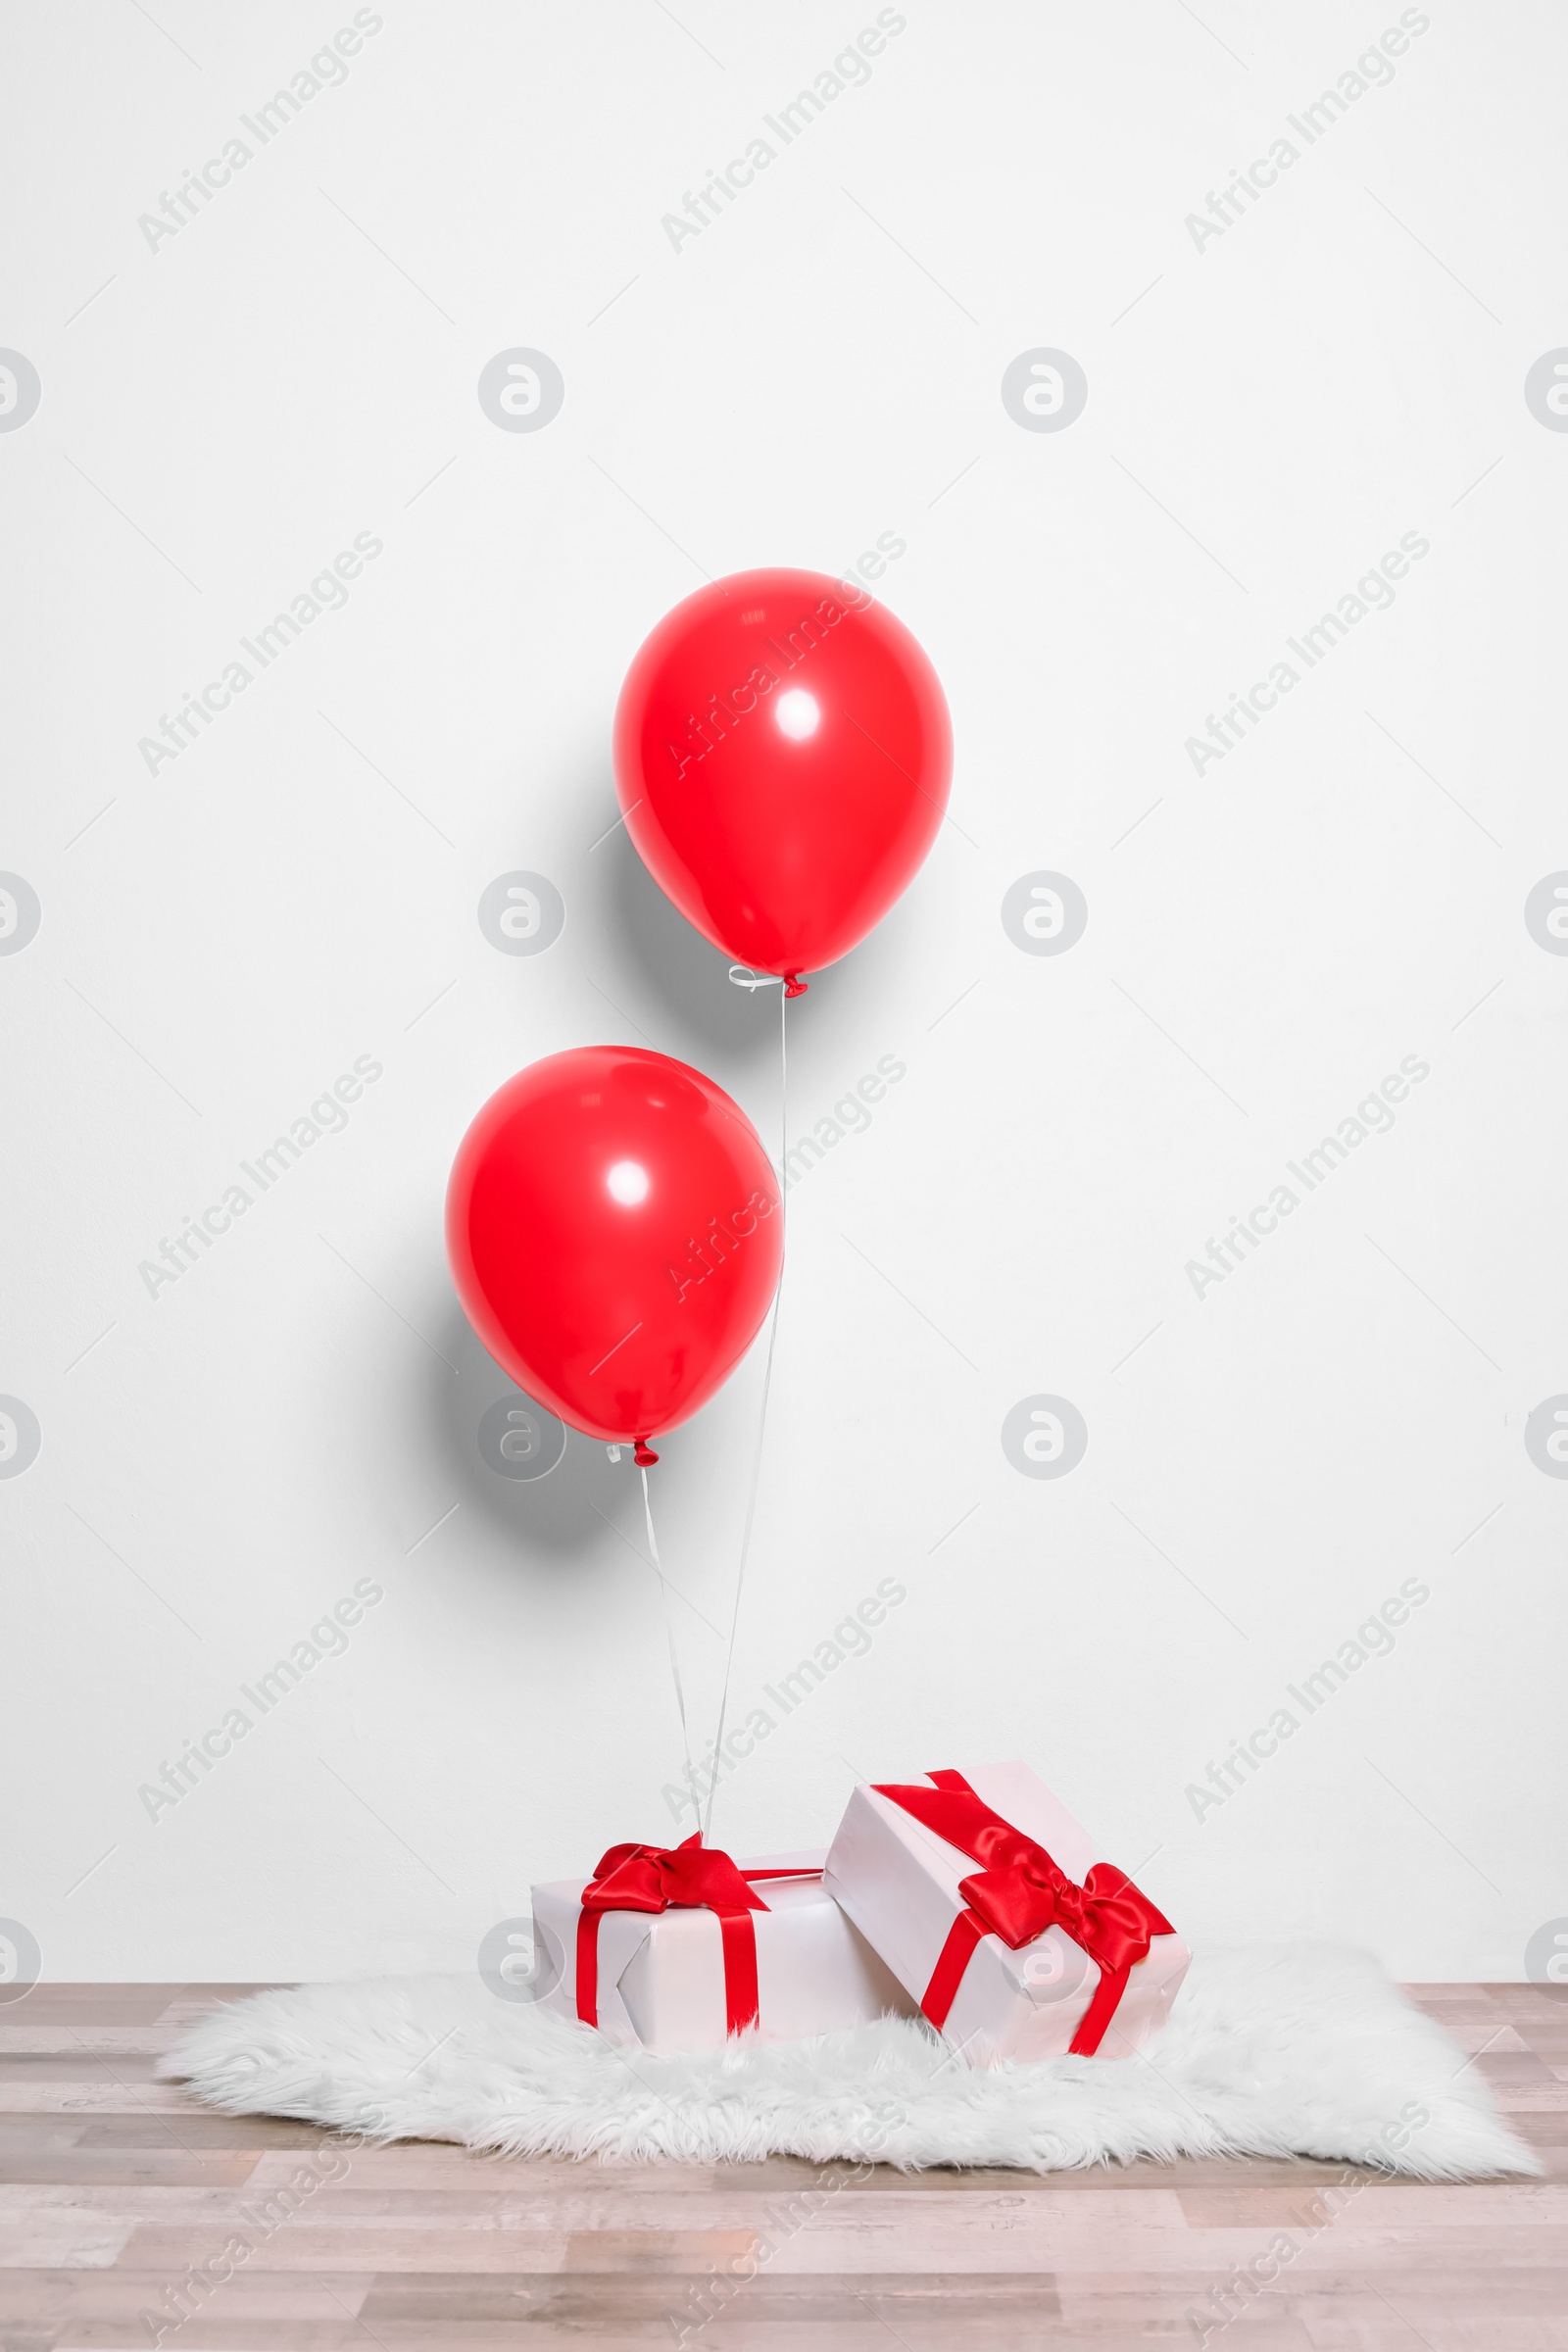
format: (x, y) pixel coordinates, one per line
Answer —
(689, 1876)
(1020, 1892)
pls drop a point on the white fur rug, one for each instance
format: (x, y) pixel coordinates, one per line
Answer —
(1294, 2051)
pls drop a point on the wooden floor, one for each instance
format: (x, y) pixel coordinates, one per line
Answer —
(114, 2189)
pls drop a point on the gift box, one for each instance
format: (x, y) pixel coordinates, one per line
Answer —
(994, 1910)
(675, 1949)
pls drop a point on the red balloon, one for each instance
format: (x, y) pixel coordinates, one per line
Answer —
(614, 1231)
(783, 754)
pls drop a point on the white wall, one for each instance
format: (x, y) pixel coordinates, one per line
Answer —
(1269, 412)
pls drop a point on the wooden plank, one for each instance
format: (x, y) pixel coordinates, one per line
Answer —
(170, 2251)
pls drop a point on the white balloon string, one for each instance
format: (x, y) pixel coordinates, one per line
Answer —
(670, 1637)
(762, 1421)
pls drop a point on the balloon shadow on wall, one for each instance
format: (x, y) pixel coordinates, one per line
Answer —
(552, 1494)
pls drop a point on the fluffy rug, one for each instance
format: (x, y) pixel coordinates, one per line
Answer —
(1309, 2052)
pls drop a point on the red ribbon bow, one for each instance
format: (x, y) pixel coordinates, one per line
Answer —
(689, 1876)
(1020, 1892)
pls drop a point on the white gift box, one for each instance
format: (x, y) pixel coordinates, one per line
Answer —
(898, 1880)
(661, 1974)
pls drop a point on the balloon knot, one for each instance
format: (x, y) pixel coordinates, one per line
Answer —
(794, 985)
(644, 1454)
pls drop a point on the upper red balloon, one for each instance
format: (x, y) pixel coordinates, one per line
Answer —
(614, 1229)
(783, 754)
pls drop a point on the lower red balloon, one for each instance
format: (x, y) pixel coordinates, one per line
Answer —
(616, 1233)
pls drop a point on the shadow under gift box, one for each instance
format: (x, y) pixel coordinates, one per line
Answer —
(900, 1884)
(661, 1974)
